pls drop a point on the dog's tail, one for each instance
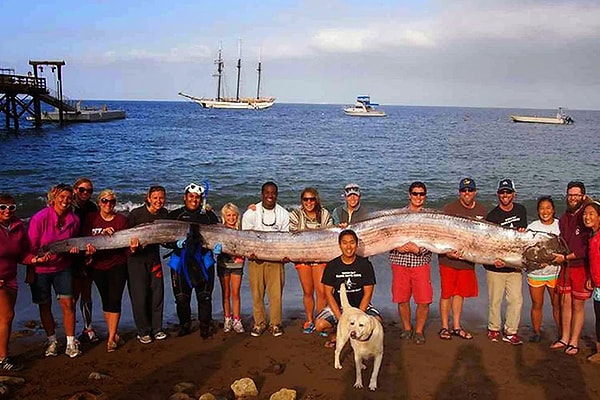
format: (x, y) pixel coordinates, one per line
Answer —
(344, 297)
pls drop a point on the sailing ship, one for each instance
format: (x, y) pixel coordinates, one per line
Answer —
(237, 103)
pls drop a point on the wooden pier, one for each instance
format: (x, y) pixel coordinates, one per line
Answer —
(22, 94)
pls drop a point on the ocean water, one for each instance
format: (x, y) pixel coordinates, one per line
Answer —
(299, 145)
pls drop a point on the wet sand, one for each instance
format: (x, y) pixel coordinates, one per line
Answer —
(438, 370)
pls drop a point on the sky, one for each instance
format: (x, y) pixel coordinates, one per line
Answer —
(477, 53)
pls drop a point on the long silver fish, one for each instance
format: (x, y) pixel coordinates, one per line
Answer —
(477, 241)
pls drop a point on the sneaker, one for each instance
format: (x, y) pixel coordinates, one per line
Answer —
(512, 339)
(144, 339)
(184, 329)
(238, 327)
(51, 349)
(160, 335)
(72, 350)
(494, 336)
(9, 365)
(309, 327)
(257, 330)
(89, 335)
(228, 324)
(276, 330)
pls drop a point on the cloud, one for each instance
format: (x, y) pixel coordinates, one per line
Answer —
(178, 54)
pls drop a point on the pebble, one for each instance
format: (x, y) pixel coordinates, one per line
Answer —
(284, 394)
(12, 380)
(244, 387)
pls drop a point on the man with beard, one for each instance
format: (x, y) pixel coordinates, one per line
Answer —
(575, 271)
(501, 280)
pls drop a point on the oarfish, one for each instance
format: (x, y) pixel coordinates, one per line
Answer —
(476, 241)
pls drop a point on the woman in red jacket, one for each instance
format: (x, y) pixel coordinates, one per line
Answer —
(13, 250)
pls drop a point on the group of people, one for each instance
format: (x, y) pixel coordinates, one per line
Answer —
(570, 280)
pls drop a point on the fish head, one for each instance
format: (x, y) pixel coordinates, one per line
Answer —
(544, 251)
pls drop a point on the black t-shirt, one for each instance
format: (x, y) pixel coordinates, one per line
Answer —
(141, 215)
(356, 276)
(515, 219)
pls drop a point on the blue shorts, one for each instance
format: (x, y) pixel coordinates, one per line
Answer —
(328, 315)
(41, 288)
(221, 272)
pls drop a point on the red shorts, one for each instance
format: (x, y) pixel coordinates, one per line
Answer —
(415, 281)
(572, 280)
(458, 282)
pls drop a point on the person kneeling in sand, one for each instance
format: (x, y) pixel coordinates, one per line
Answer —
(359, 277)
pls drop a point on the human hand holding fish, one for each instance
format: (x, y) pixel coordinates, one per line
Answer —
(463, 238)
(409, 247)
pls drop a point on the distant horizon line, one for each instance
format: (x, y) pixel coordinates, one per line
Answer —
(347, 103)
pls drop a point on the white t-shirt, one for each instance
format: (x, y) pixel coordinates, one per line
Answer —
(551, 271)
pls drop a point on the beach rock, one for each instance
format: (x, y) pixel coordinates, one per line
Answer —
(284, 394)
(12, 380)
(85, 395)
(243, 388)
(180, 396)
(98, 376)
(207, 396)
(185, 387)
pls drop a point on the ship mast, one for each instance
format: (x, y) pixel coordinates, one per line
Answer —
(259, 70)
(239, 69)
(219, 74)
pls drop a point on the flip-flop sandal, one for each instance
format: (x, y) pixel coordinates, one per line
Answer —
(445, 334)
(419, 338)
(558, 345)
(461, 333)
(571, 350)
(330, 344)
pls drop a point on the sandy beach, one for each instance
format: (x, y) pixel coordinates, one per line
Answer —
(475, 369)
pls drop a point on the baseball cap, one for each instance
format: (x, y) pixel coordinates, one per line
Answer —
(467, 183)
(194, 188)
(506, 184)
(351, 188)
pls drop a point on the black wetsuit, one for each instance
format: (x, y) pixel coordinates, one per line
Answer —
(181, 287)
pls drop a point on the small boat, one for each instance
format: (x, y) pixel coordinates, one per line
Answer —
(364, 108)
(82, 114)
(237, 102)
(560, 119)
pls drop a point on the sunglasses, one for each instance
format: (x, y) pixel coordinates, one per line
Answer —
(108, 201)
(352, 189)
(505, 192)
(9, 207)
(418, 194)
(82, 190)
(262, 219)
(469, 190)
(309, 199)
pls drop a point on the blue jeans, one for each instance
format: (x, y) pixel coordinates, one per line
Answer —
(41, 288)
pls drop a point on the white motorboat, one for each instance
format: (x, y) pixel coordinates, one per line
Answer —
(560, 119)
(364, 108)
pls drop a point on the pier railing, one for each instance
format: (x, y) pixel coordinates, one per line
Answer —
(20, 82)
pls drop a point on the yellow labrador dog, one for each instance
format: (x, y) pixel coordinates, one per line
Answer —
(366, 337)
